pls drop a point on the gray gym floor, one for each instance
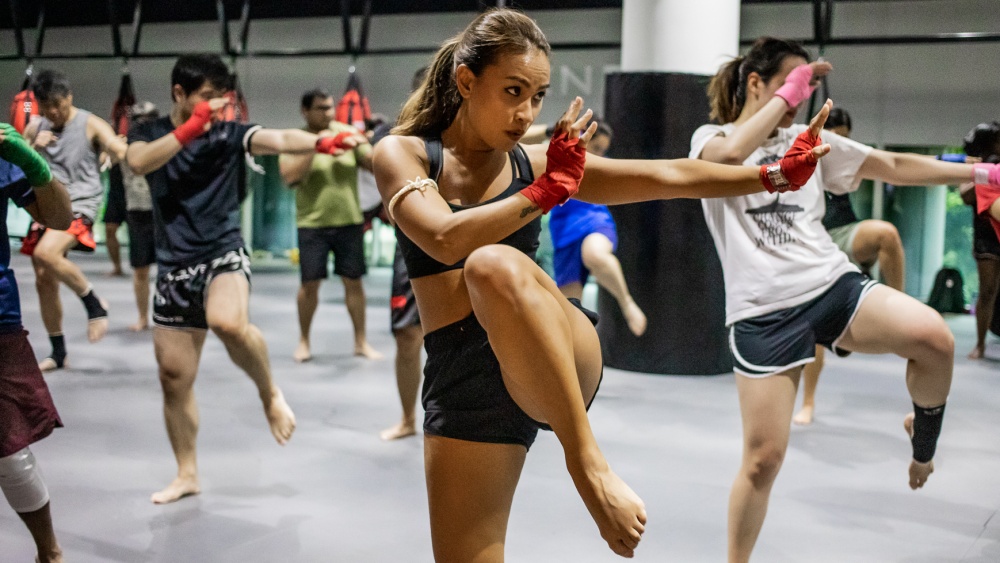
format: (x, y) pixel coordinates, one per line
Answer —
(337, 493)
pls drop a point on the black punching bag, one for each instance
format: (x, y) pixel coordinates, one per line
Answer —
(665, 249)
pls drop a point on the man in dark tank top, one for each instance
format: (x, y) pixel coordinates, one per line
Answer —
(71, 140)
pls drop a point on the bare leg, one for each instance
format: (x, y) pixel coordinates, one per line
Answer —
(409, 342)
(810, 380)
(140, 282)
(550, 358)
(599, 258)
(879, 241)
(114, 248)
(892, 322)
(51, 255)
(470, 488)
(574, 290)
(177, 355)
(308, 301)
(39, 523)
(50, 306)
(226, 310)
(354, 297)
(766, 406)
(989, 283)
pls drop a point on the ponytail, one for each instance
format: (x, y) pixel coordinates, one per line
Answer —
(432, 107)
(722, 92)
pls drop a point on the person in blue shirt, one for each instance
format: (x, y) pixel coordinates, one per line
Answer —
(27, 413)
(585, 239)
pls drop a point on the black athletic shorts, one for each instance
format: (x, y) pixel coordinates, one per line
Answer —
(402, 303)
(346, 244)
(141, 246)
(180, 294)
(985, 245)
(464, 396)
(784, 339)
(114, 210)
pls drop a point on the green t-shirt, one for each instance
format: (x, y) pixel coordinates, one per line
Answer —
(328, 195)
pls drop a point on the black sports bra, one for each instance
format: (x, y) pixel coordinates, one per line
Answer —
(525, 239)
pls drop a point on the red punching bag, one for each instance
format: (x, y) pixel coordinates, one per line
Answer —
(24, 107)
(237, 108)
(121, 111)
(353, 108)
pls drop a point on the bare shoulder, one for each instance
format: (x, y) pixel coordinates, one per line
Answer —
(395, 149)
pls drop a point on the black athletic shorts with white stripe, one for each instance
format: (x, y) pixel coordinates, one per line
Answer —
(785, 339)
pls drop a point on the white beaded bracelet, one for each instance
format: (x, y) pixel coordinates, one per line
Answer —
(418, 185)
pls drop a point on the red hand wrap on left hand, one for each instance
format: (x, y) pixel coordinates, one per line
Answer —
(795, 168)
(330, 145)
(565, 160)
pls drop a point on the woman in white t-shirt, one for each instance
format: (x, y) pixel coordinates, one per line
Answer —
(788, 286)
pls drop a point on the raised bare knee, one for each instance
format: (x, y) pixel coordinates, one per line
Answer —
(888, 238)
(933, 337)
(762, 465)
(489, 266)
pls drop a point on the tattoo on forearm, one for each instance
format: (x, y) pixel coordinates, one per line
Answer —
(528, 211)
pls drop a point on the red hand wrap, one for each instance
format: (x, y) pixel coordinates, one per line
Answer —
(795, 168)
(194, 127)
(330, 145)
(563, 171)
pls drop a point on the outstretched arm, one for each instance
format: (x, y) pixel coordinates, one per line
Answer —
(106, 139)
(903, 169)
(610, 181)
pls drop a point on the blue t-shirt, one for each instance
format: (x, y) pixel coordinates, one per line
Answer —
(197, 194)
(572, 221)
(14, 187)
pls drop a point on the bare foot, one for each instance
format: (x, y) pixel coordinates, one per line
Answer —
(139, 326)
(805, 416)
(179, 488)
(366, 351)
(302, 353)
(48, 364)
(280, 417)
(919, 472)
(401, 430)
(97, 328)
(54, 556)
(634, 318)
(977, 353)
(619, 513)
(115, 274)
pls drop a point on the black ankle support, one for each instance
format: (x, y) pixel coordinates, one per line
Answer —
(93, 306)
(926, 429)
(58, 354)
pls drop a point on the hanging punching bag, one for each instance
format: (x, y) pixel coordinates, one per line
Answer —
(23, 108)
(237, 108)
(353, 108)
(121, 111)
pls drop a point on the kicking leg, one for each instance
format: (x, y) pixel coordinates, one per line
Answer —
(308, 301)
(766, 406)
(354, 298)
(810, 379)
(51, 254)
(177, 355)
(550, 359)
(878, 241)
(892, 322)
(598, 257)
(409, 342)
(227, 312)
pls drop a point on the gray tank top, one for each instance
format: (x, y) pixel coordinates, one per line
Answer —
(74, 161)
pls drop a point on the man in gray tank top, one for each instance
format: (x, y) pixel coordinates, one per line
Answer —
(71, 140)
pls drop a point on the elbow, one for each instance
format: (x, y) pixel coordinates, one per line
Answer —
(731, 157)
(445, 251)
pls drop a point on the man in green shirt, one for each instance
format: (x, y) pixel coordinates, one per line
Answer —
(329, 219)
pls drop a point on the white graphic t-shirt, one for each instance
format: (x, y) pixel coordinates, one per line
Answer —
(774, 250)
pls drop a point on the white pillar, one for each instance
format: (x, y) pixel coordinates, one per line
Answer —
(685, 36)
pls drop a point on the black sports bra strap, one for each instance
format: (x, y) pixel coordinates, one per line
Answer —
(435, 157)
(520, 158)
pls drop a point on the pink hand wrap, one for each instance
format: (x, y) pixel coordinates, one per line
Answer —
(563, 172)
(796, 87)
(983, 173)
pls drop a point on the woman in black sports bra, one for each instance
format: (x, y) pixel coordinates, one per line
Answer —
(507, 354)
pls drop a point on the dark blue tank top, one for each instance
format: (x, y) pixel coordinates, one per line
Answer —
(525, 239)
